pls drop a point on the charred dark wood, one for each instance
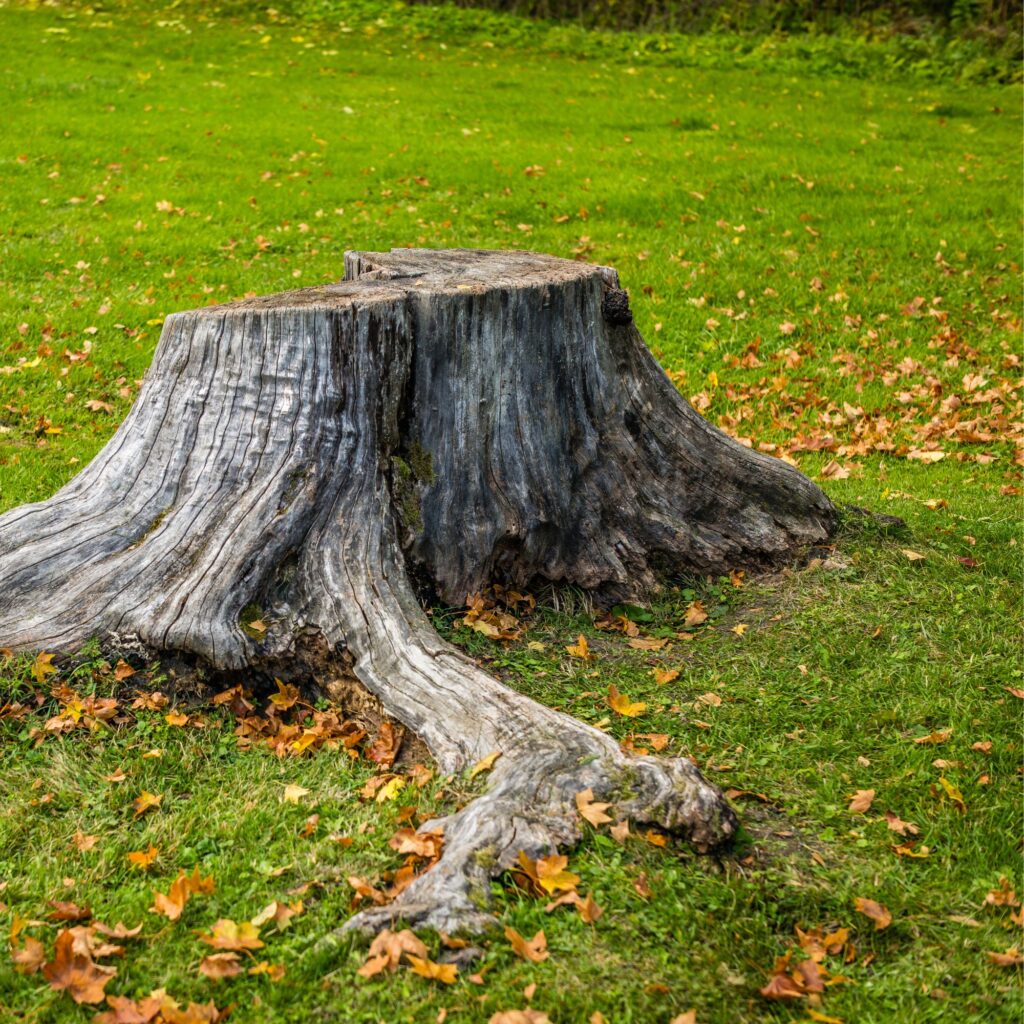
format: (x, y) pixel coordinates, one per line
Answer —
(461, 416)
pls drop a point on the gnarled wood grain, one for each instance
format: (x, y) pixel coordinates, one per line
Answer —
(465, 415)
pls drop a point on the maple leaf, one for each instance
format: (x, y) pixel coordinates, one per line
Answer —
(365, 890)
(293, 793)
(535, 950)
(275, 972)
(781, 986)
(390, 790)
(526, 1016)
(226, 934)
(589, 809)
(878, 912)
(485, 764)
(29, 957)
(143, 858)
(551, 873)
(426, 968)
(935, 737)
(622, 705)
(1011, 958)
(588, 909)
(690, 1017)
(899, 826)
(280, 913)
(123, 671)
(83, 842)
(220, 965)
(861, 801)
(620, 831)
(146, 801)
(287, 695)
(130, 1011)
(665, 675)
(43, 666)
(580, 649)
(119, 931)
(75, 973)
(64, 911)
(695, 614)
(181, 891)
(176, 719)
(387, 949)
(1004, 896)
(384, 749)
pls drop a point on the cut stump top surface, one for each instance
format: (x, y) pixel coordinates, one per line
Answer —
(388, 276)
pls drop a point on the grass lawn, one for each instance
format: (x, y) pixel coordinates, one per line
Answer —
(828, 267)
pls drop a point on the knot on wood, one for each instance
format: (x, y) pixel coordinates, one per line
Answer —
(615, 307)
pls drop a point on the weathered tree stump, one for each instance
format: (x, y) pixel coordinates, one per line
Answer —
(450, 417)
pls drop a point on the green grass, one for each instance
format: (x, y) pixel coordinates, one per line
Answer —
(825, 202)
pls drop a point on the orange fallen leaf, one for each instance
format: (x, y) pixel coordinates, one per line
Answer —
(900, 827)
(878, 912)
(143, 858)
(43, 666)
(123, 671)
(83, 842)
(935, 737)
(75, 973)
(861, 801)
(220, 965)
(181, 891)
(665, 675)
(66, 911)
(176, 719)
(29, 957)
(780, 987)
(287, 695)
(696, 613)
(1011, 958)
(526, 1016)
(589, 809)
(535, 950)
(387, 949)
(275, 972)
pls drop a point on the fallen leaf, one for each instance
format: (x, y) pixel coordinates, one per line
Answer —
(146, 801)
(900, 827)
(485, 764)
(43, 666)
(695, 614)
(519, 1017)
(293, 793)
(665, 675)
(75, 973)
(220, 965)
(581, 649)
(861, 801)
(953, 793)
(878, 912)
(181, 891)
(227, 934)
(84, 843)
(906, 850)
(143, 858)
(622, 705)
(29, 957)
(620, 832)
(935, 737)
(781, 987)
(912, 556)
(690, 1017)
(275, 972)
(387, 949)
(740, 628)
(426, 968)
(535, 950)
(589, 809)
(64, 911)
(1011, 958)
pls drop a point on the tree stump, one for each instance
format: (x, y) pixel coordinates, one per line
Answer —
(437, 421)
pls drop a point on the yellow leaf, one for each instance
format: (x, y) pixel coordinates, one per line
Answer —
(593, 812)
(552, 874)
(665, 675)
(286, 695)
(485, 764)
(390, 790)
(146, 802)
(293, 794)
(428, 969)
(696, 613)
(912, 556)
(43, 667)
(581, 649)
(954, 794)
(622, 705)
(739, 629)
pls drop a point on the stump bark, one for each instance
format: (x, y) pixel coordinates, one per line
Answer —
(437, 421)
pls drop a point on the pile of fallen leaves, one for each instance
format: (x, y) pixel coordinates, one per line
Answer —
(497, 612)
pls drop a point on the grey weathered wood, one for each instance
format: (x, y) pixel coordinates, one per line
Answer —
(466, 415)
